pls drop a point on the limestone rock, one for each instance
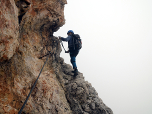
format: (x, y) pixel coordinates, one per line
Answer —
(8, 29)
(26, 39)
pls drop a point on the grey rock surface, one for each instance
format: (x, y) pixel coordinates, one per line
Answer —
(82, 97)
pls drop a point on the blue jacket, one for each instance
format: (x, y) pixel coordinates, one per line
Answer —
(69, 40)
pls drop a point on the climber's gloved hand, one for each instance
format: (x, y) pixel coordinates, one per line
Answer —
(59, 37)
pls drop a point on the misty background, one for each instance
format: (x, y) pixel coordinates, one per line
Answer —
(116, 57)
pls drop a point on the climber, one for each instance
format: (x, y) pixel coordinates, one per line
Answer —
(73, 51)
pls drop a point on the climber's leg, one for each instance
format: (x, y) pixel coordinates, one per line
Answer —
(73, 62)
(73, 55)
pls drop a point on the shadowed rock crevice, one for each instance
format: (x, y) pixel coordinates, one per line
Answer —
(23, 7)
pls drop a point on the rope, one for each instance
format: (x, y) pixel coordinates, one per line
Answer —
(63, 46)
(33, 87)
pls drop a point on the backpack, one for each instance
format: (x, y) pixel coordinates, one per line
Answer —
(77, 43)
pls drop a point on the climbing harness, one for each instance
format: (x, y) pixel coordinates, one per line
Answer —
(33, 86)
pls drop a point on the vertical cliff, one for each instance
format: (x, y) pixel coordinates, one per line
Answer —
(26, 37)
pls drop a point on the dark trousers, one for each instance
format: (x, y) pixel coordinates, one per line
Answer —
(73, 54)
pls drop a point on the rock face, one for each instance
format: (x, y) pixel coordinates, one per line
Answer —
(26, 37)
(9, 29)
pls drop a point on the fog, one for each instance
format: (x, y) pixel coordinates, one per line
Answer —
(116, 57)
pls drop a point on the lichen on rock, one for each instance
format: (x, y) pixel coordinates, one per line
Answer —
(26, 38)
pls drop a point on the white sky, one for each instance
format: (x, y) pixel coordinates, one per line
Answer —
(116, 57)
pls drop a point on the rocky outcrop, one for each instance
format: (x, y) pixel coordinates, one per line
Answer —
(9, 29)
(81, 96)
(26, 38)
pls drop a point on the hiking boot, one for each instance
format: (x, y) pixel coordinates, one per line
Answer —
(75, 72)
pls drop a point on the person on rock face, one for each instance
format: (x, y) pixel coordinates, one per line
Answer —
(73, 52)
